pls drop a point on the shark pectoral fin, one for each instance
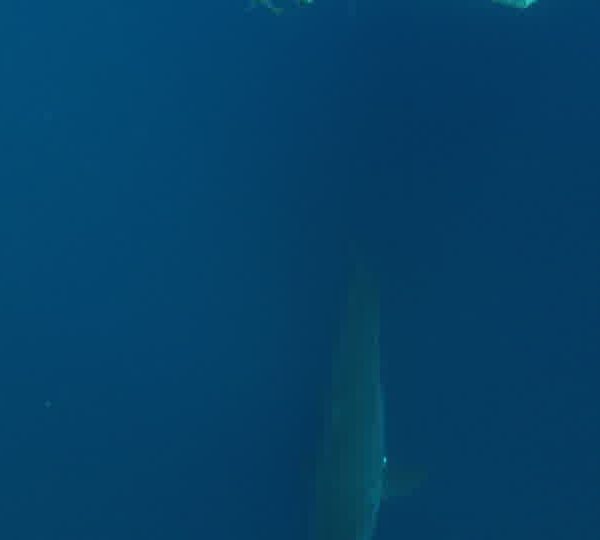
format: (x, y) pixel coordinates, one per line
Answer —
(402, 482)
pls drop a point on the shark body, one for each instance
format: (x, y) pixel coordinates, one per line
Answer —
(518, 4)
(351, 468)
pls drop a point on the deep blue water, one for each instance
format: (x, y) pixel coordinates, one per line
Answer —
(181, 187)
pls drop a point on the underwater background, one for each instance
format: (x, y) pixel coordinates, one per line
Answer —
(182, 188)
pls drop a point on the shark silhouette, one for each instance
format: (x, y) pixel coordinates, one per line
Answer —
(352, 464)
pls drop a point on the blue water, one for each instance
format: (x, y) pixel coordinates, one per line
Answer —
(182, 186)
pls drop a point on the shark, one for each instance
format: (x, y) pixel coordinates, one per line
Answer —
(518, 4)
(353, 475)
(352, 463)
